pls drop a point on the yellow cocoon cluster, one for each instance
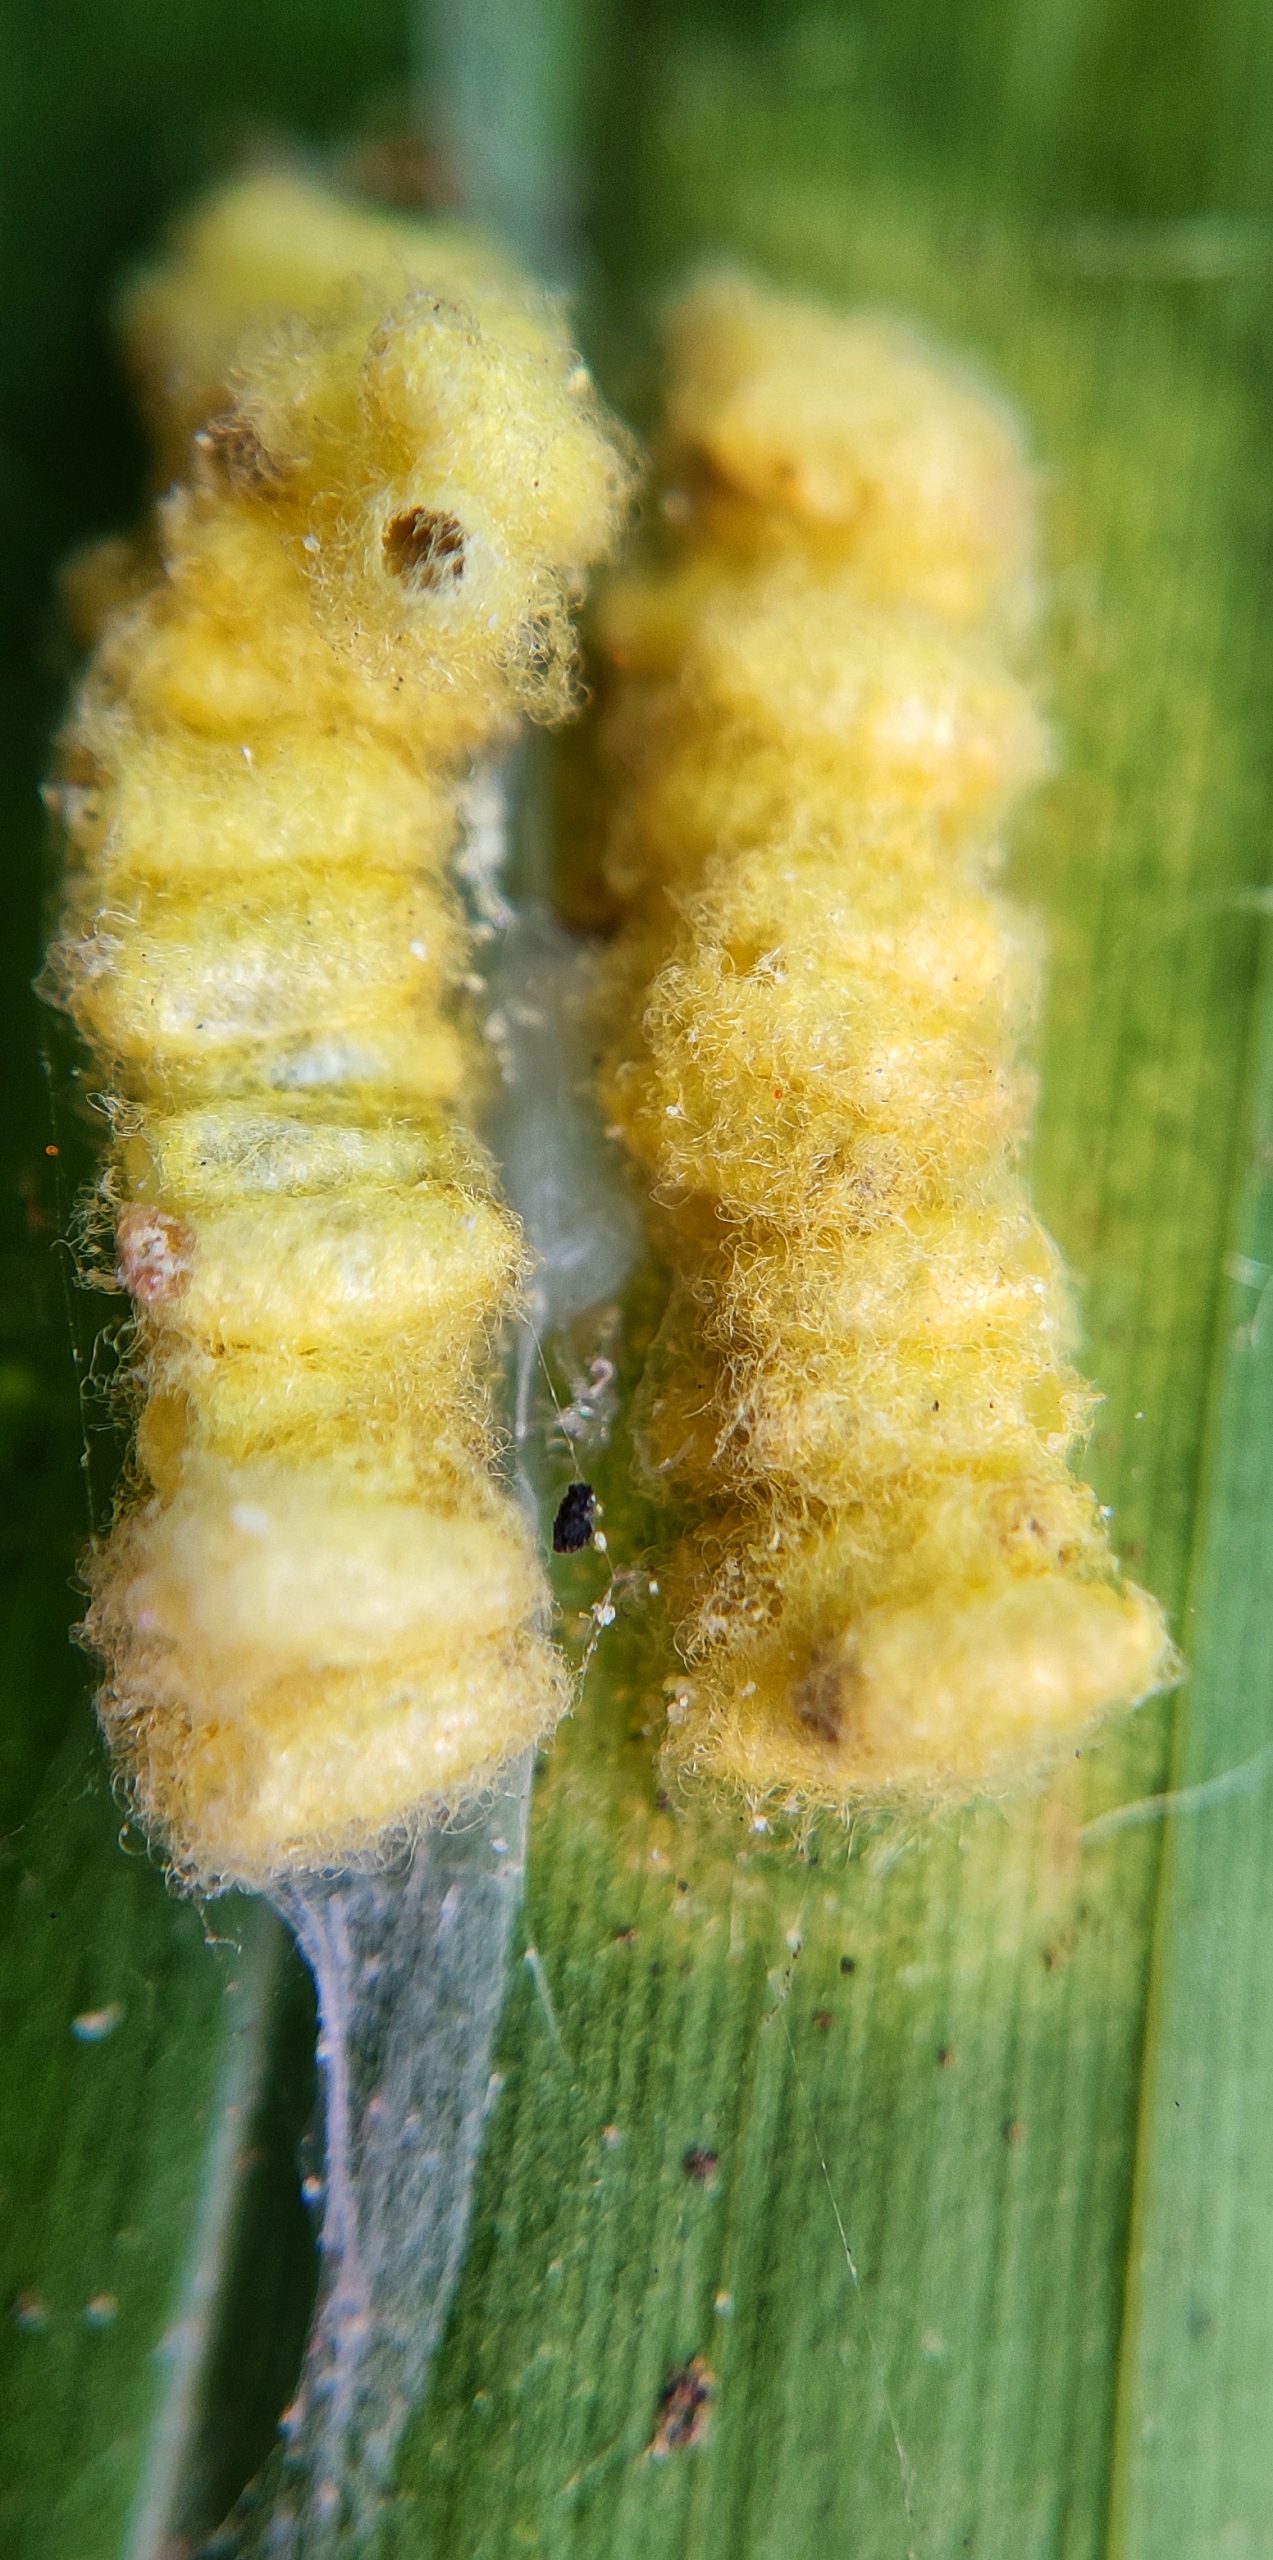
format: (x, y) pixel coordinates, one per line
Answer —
(267, 250)
(892, 1587)
(322, 1616)
(816, 432)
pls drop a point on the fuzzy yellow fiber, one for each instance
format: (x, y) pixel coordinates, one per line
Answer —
(267, 250)
(321, 1613)
(892, 1588)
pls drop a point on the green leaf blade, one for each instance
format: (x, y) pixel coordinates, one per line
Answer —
(1197, 2382)
(986, 2199)
(971, 165)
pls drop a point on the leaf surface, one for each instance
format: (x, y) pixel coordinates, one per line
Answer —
(932, 2074)
(946, 2157)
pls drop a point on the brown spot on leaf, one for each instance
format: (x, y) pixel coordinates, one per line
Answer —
(425, 548)
(1056, 1955)
(701, 2166)
(683, 2406)
(155, 1255)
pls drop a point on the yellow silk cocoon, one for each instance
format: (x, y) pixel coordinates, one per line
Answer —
(267, 250)
(322, 1614)
(891, 1587)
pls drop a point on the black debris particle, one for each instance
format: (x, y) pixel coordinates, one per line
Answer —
(684, 2402)
(576, 1519)
(848, 1964)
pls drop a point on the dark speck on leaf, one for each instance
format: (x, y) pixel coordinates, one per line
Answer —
(576, 1519)
(683, 2406)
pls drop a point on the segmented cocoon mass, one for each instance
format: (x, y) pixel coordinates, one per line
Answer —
(891, 1588)
(322, 1615)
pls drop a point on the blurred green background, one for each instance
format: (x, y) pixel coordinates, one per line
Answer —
(985, 2262)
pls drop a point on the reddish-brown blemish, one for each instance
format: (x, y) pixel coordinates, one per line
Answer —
(155, 1255)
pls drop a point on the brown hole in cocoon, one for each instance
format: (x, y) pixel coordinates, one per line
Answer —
(424, 548)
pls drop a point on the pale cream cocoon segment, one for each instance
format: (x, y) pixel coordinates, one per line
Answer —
(891, 1587)
(322, 1614)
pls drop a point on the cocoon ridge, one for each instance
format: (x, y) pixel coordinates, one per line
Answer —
(322, 1615)
(891, 1587)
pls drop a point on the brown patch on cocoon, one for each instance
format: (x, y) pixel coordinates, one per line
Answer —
(425, 549)
(234, 445)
